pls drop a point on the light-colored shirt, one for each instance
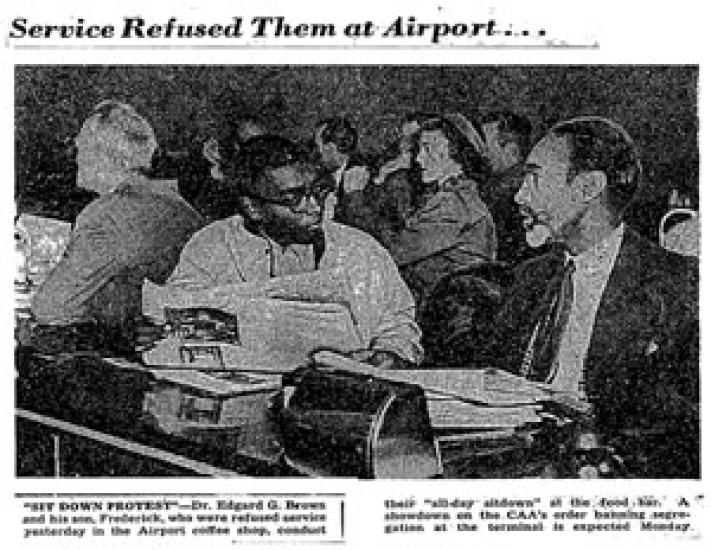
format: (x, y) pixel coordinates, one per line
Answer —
(454, 221)
(452, 231)
(225, 253)
(349, 180)
(592, 271)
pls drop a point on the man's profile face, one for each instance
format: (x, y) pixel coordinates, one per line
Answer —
(291, 206)
(433, 155)
(549, 204)
(503, 152)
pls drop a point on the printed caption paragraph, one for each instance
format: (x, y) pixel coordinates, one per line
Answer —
(602, 514)
(273, 518)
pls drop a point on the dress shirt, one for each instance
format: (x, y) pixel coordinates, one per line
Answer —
(592, 271)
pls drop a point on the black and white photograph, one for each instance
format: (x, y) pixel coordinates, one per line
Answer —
(361, 271)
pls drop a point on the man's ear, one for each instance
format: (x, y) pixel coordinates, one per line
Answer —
(512, 152)
(590, 185)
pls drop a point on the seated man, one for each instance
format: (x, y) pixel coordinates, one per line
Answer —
(607, 317)
(131, 232)
(282, 237)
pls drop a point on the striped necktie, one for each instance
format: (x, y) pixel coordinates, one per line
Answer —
(540, 358)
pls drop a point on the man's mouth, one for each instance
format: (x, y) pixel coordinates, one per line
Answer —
(537, 231)
(529, 218)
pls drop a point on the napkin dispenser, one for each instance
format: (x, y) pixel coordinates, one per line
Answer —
(337, 423)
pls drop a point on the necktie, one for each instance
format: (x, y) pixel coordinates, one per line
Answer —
(539, 361)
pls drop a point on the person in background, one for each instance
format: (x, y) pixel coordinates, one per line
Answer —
(336, 142)
(396, 190)
(507, 137)
(282, 234)
(134, 230)
(453, 230)
(605, 316)
(202, 180)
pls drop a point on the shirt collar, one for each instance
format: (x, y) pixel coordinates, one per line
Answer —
(602, 256)
(338, 174)
(449, 181)
(134, 182)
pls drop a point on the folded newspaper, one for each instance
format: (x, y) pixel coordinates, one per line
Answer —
(276, 332)
(467, 398)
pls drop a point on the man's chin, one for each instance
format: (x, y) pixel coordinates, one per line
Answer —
(428, 177)
(538, 235)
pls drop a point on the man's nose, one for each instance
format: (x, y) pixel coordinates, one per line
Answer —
(523, 195)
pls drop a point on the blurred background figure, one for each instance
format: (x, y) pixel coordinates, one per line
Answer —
(453, 230)
(507, 137)
(134, 230)
(336, 144)
(395, 191)
(201, 177)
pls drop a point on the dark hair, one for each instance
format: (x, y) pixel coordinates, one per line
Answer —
(516, 127)
(259, 154)
(596, 143)
(461, 150)
(339, 130)
(233, 138)
(419, 117)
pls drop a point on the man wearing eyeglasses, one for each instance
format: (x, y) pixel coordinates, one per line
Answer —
(280, 235)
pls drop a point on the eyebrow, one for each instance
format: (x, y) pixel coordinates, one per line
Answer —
(297, 189)
(531, 167)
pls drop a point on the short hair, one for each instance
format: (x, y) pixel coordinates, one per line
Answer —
(419, 117)
(598, 143)
(117, 129)
(260, 154)
(517, 127)
(339, 130)
(244, 127)
(461, 149)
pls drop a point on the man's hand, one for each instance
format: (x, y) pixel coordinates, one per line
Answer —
(387, 360)
(380, 359)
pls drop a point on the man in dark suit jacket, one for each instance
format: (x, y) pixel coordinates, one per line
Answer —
(628, 337)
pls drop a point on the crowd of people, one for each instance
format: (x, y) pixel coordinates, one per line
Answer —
(466, 244)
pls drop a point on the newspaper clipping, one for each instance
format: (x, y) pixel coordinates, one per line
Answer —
(415, 273)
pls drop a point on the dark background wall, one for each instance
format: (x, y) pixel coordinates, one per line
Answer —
(657, 104)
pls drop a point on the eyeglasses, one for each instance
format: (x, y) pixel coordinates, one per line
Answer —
(292, 198)
(531, 179)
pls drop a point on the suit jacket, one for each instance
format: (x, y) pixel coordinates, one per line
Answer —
(641, 372)
(118, 240)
